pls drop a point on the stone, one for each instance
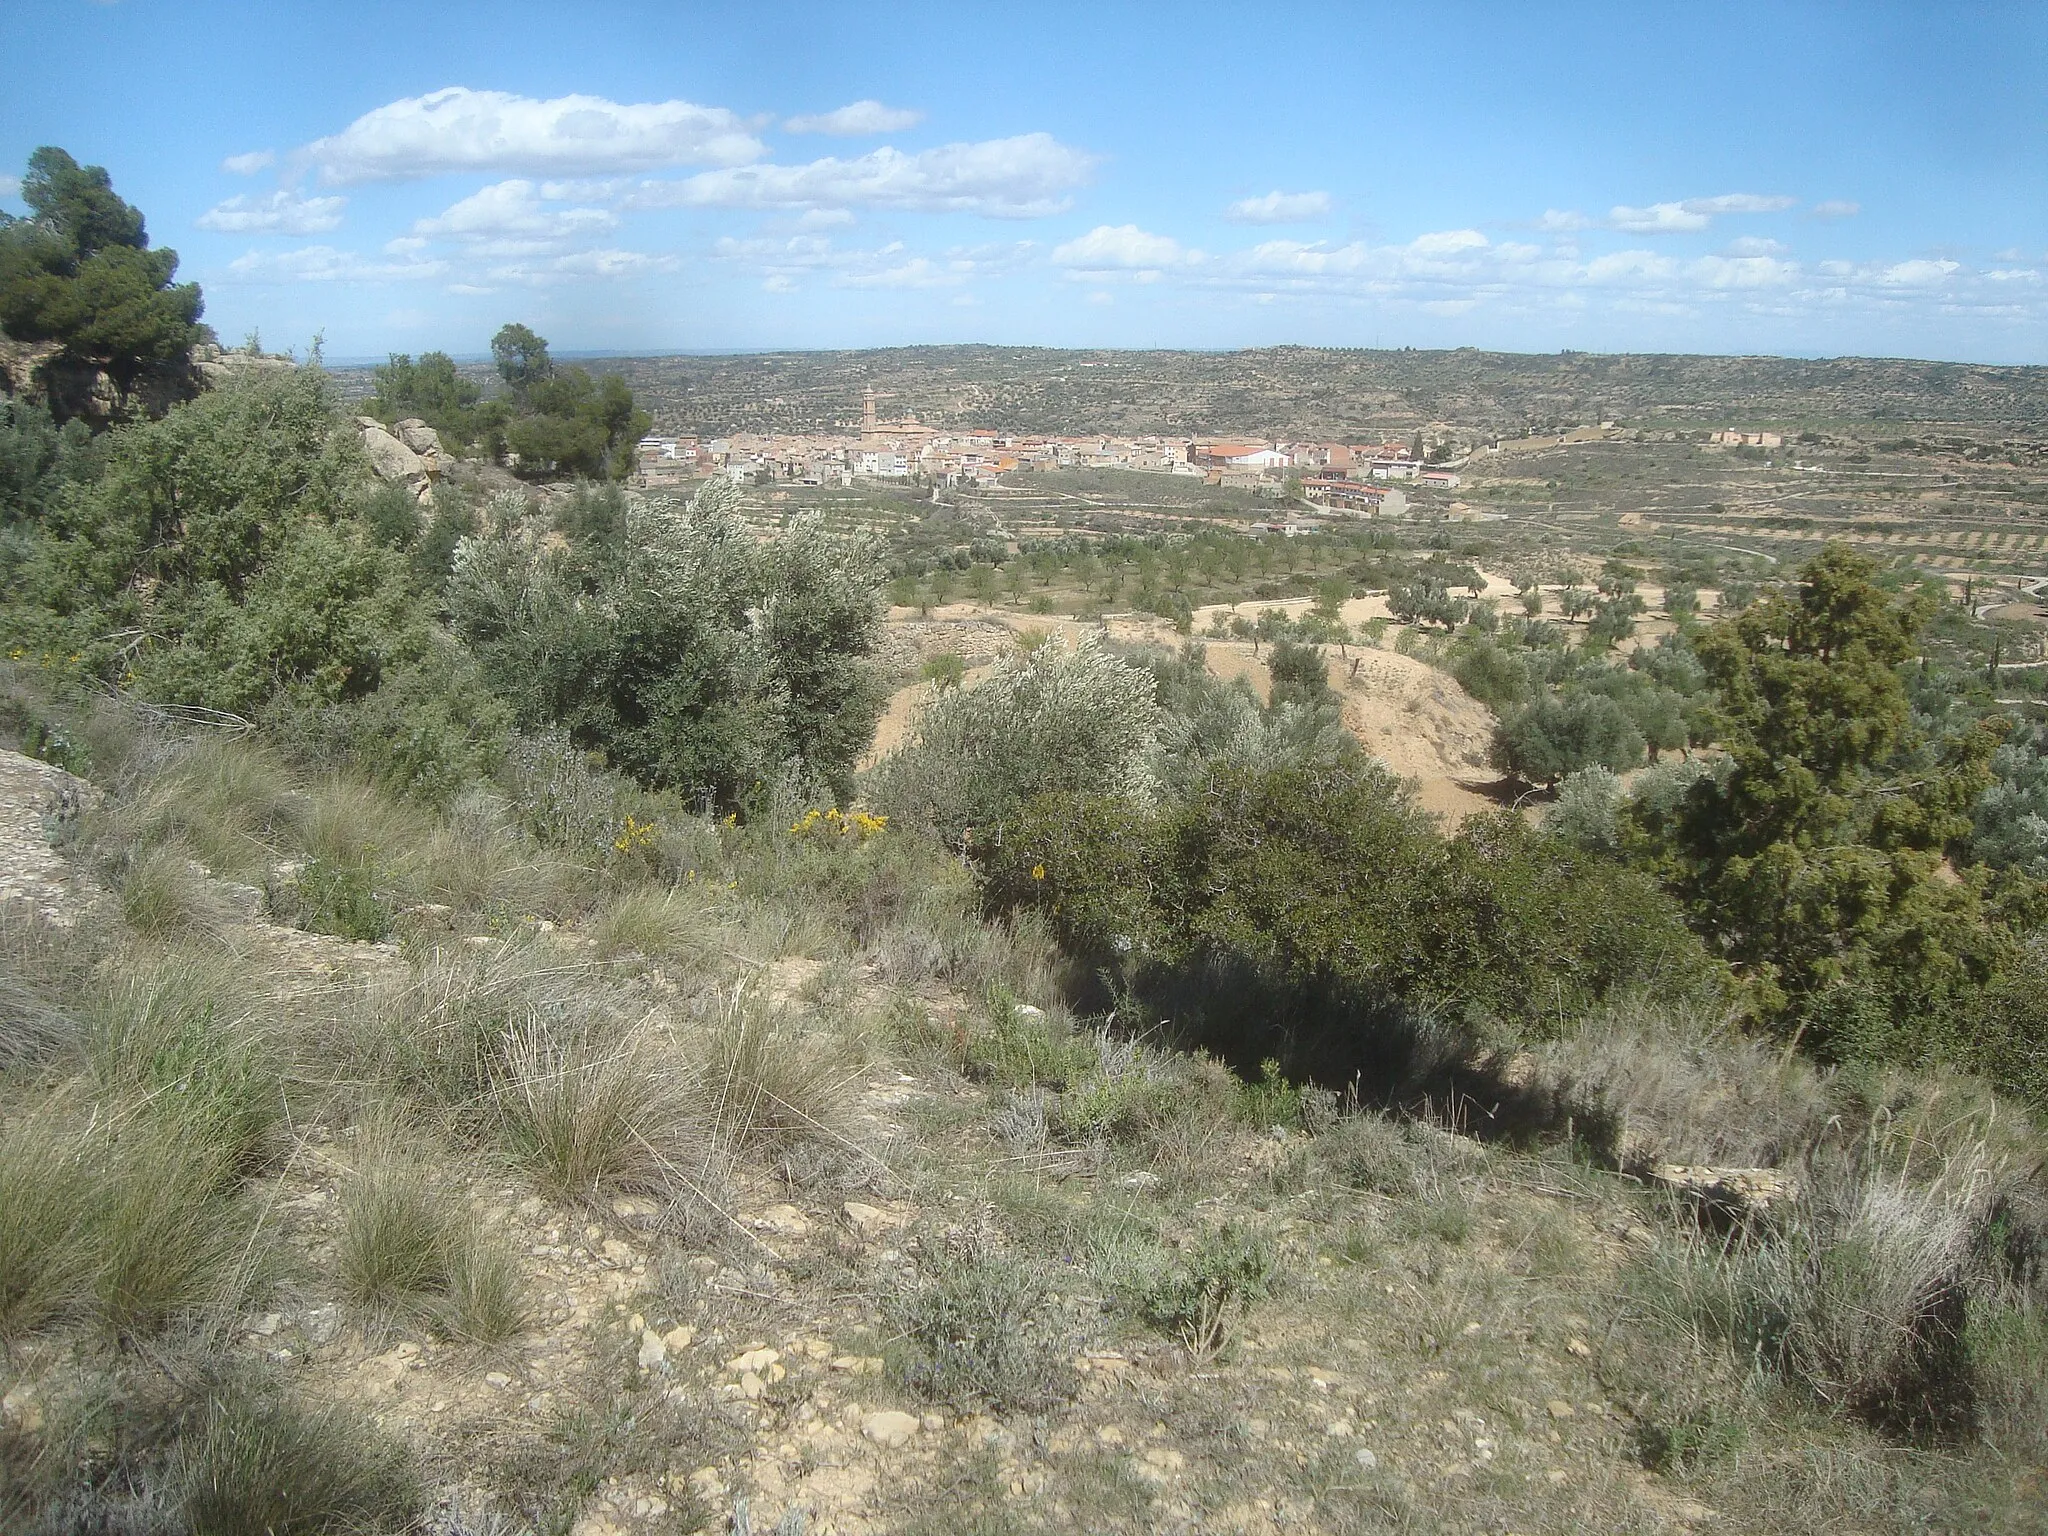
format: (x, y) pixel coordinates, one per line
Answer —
(1727, 1194)
(497, 1379)
(1559, 1408)
(783, 1221)
(678, 1339)
(391, 459)
(418, 436)
(1580, 1348)
(756, 1360)
(889, 1428)
(653, 1354)
(1365, 1459)
(869, 1221)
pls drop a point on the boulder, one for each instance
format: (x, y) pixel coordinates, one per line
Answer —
(391, 459)
(419, 437)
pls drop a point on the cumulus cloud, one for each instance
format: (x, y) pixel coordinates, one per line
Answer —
(249, 164)
(1121, 248)
(1563, 219)
(1279, 208)
(1918, 274)
(857, 118)
(1029, 176)
(1754, 245)
(458, 129)
(513, 211)
(283, 212)
(9, 185)
(1837, 208)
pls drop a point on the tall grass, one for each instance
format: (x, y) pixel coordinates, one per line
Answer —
(408, 1250)
(47, 1186)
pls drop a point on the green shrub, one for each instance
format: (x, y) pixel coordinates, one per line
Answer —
(1199, 1294)
(982, 1333)
(694, 657)
(340, 899)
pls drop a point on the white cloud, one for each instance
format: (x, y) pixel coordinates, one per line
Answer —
(1279, 208)
(857, 118)
(1837, 208)
(458, 129)
(249, 164)
(777, 282)
(513, 211)
(1447, 242)
(1029, 176)
(325, 264)
(1738, 202)
(824, 218)
(582, 266)
(1122, 248)
(1917, 274)
(1629, 267)
(1691, 214)
(1563, 219)
(1744, 271)
(1754, 245)
(9, 185)
(283, 212)
(1657, 219)
(918, 272)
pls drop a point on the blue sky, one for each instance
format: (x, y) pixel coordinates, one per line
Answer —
(1797, 178)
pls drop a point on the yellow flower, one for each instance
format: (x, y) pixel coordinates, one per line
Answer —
(1038, 871)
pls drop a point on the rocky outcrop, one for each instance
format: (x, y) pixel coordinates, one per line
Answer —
(216, 366)
(1727, 1196)
(408, 453)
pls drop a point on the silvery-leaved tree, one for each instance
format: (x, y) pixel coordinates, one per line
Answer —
(1047, 720)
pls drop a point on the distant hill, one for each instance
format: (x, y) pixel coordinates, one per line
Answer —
(1310, 392)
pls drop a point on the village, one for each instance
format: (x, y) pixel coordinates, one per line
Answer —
(1355, 478)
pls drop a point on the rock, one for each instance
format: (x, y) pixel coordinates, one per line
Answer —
(1580, 1348)
(653, 1354)
(264, 1326)
(678, 1339)
(783, 1221)
(497, 1379)
(869, 1221)
(391, 459)
(889, 1428)
(1365, 1459)
(1727, 1194)
(1144, 1178)
(418, 436)
(1559, 1408)
(755, 1360)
